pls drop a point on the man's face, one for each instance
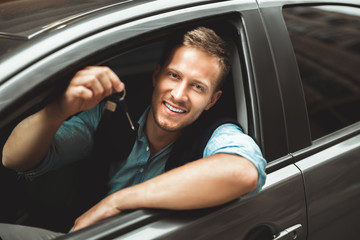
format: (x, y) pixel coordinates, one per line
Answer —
(184, 88)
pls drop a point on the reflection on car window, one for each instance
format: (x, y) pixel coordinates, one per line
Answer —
(326, 41)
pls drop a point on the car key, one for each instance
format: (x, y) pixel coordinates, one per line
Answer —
(124, 107)
(119, 98)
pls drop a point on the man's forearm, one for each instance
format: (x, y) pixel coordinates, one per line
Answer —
(204, 183)
(30, 140)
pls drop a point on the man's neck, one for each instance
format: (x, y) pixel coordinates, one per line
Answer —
(158, 138)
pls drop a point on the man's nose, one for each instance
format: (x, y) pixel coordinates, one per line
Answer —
(179, 92)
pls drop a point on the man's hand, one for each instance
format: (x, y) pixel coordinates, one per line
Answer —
(31, 139)
(104, 209)
(87, 88)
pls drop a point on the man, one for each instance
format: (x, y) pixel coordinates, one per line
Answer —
(186, 83)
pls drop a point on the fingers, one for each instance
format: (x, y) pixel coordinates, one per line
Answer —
(81, 92)
(117, 84)
(102, 81)
(87, 88)
(104, 209)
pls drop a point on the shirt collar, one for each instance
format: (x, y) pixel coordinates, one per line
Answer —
(142, 122)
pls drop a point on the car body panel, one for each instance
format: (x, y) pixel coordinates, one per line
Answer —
(329, 164)
(297, 127)
(332, 188)
(329, 168)
(272, 3)
(264, 89)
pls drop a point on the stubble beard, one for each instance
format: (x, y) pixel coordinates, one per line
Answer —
(163, 126)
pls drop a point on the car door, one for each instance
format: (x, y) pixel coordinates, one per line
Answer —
(325, 38)
(279, 210)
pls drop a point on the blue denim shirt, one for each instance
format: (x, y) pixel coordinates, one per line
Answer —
(74, 141)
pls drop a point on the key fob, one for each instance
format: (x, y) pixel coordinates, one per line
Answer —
(114, 99)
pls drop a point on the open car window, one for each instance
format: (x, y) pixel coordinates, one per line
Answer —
(134, 64)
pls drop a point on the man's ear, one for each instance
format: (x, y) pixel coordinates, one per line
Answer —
(156, 73)
(214, 99)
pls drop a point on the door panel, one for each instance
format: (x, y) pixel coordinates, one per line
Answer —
(332, 185)
(279, 206)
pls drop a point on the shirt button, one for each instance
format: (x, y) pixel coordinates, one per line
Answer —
(141, 170)
(147, 148)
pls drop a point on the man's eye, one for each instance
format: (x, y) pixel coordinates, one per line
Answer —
(198, 87)
(174, 75)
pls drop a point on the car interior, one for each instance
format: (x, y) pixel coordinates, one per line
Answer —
(27, 202)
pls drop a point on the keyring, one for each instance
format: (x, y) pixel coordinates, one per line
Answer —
(123, 95)
(118, 97)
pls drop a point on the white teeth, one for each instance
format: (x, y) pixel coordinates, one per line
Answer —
(173, 109)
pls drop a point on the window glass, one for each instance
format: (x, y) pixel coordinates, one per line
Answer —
(326, 41)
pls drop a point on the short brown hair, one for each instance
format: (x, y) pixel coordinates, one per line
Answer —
(203, 39)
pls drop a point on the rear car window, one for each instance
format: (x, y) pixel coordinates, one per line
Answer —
(326, 42)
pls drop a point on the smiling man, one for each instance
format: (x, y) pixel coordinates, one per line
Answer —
(182, 91)
(186, 83)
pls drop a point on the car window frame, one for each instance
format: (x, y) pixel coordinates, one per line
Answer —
(50, 65)
(298, 132)
(335, 137)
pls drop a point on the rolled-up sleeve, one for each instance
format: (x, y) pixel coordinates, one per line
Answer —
(229, 138)
(72, 142)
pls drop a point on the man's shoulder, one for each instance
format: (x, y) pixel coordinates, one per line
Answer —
(205, 127)
(191, 144)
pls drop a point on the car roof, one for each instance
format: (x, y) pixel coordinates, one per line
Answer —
(24, 19)
(46, 26)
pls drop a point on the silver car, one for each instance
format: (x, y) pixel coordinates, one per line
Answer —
(294, 87)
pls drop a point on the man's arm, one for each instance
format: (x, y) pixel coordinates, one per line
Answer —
(203, 183)
(30, 140)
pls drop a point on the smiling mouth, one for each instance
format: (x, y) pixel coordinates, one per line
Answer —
(173, 109)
